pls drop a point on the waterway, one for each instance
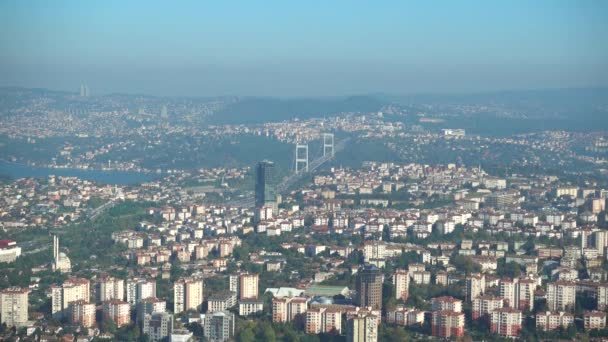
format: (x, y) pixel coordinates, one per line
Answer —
(16, 171)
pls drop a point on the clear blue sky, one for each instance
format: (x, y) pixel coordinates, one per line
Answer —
(303, 48)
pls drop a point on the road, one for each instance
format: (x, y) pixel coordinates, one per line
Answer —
(94, 213)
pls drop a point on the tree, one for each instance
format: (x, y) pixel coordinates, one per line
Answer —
(265, 332)
(246, 335)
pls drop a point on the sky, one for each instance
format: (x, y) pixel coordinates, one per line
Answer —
(303, 48)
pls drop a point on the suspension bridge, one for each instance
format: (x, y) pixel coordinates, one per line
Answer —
(302, 167)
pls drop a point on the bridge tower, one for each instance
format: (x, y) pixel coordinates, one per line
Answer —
(301, 160)
(328, 144)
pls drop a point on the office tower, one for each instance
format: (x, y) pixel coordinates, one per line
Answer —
(187, 295)
(109, 288)
(149, 306)
(71, 290)
(219, 326)
(163, 112)
(561, 296)
(369, 287)
(13, 306)
(138, 289)
(82, 92)
(447, 324)
(506, 322)
(401, 282)
(265, 187)
(158, 326)
(117, 311)
(362, 328)
(82, 313)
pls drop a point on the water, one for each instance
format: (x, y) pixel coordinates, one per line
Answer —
(107, 177)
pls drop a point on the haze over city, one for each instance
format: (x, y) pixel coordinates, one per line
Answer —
(312, 171)
(311, 48)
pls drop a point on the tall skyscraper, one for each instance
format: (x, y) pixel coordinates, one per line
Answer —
(369, 287)
(84, 90)
(265, 187)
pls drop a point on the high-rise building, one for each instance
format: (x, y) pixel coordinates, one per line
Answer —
(149, 306)
(518, 293)
(13, 306)
(117, 311)
(602, 297)
(369, 287)
(601, 241)
(71, 290)
(401, 283)
(187, 295)
(265, 187)
(82, 313)
(447, 324)
(482, 306)
(138, 289)
(362, 328)
(561, 296)
(323, 320)
(446, 303)
(219, 326)
(476, 286)
(109, 288)
(289, 309)
(158, 326)
(84, 90)
(506, 322)
(245, 285)
(525, 294)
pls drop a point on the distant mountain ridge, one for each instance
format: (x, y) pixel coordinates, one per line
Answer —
(259, 110)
